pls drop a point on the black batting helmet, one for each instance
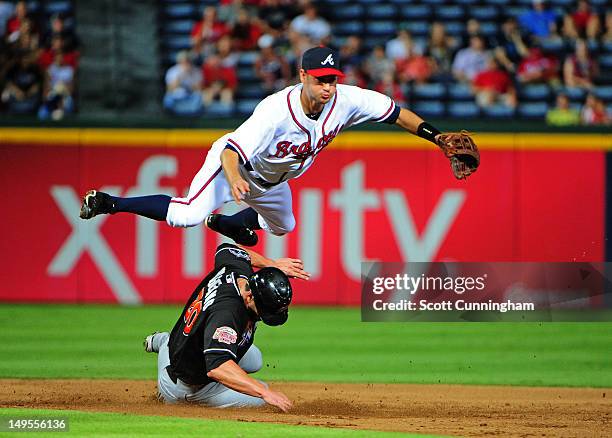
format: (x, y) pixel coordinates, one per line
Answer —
(272, 294)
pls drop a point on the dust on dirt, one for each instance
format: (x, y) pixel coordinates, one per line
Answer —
(437, 409)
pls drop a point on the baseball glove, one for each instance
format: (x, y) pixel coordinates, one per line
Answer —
(462, 152)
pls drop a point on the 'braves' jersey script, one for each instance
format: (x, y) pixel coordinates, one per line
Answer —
(279, 142)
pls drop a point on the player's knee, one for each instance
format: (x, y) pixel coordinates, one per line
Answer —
(252, 360)
(286, 227)
(258, 402)
(184, 216)
(276, 226)
(164, 395)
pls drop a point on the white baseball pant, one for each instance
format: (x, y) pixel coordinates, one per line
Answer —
(209, 190)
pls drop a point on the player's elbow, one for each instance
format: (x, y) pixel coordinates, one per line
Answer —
(229, 154)
(220, 372)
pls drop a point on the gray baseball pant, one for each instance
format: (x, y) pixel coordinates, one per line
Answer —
(213, 394)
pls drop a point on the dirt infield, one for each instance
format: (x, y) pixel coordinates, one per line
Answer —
(438, 409)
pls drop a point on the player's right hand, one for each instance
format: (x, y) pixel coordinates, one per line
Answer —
(292, 268)
(239, 189)
(277, 399)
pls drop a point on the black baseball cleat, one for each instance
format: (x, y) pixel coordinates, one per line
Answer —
(242, 235)
(95, 203)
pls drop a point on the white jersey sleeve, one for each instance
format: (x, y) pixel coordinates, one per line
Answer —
(255, 134)
(367, 105)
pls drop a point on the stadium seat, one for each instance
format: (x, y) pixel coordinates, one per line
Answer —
(185, 10)
(381, 28)
(463, 109)
(33, 7)
(455, 28)
(534, 92)
(187, 108)
(218, 109)
(503, 3)
(178, 26)
(466, 2)
(594, 46)
(562, 3)
(604, 92)
(381, 11)
(534, 110)
(254, 91)
(429, 91)
(373, 41)
(429, 108)
(576, 106)
(177, 42)
(459, 91)
(575, 94)
(247, 59)
(489, 12)
(606, 47)
(515, 11)
(244, 73)
(417, 28)
(348, 28)
(605, 61)
(346, 12)
(555, 47)
(246, 107)
(489, 28)
(60, 7)
(416, 12)
(433, 2)
(451, 12)
(499, 112)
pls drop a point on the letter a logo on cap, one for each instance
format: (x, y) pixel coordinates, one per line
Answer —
(329, 60)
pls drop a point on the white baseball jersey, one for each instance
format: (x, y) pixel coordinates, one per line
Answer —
(279, 142)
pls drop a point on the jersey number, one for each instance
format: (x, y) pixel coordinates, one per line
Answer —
(192, 313)
(201, 303)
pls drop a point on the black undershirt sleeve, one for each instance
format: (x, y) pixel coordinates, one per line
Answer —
(392, 118)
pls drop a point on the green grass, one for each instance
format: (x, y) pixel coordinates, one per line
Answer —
(317, 344)
(106, 424)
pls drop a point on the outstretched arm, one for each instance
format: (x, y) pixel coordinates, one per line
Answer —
(408, 120)
(459, 148)
(234, 377)
(411, 122)
(291, 267)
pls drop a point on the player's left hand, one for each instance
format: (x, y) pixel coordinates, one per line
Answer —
(460, 149)
(292, 268)
(239, 189)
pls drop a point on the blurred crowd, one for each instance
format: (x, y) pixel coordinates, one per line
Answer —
(493, 67)
(277, 31)
(39, 56)
(38, 62)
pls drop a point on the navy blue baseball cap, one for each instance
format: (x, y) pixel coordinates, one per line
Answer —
(321, 61)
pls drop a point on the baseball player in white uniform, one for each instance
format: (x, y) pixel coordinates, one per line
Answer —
(278, 142)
